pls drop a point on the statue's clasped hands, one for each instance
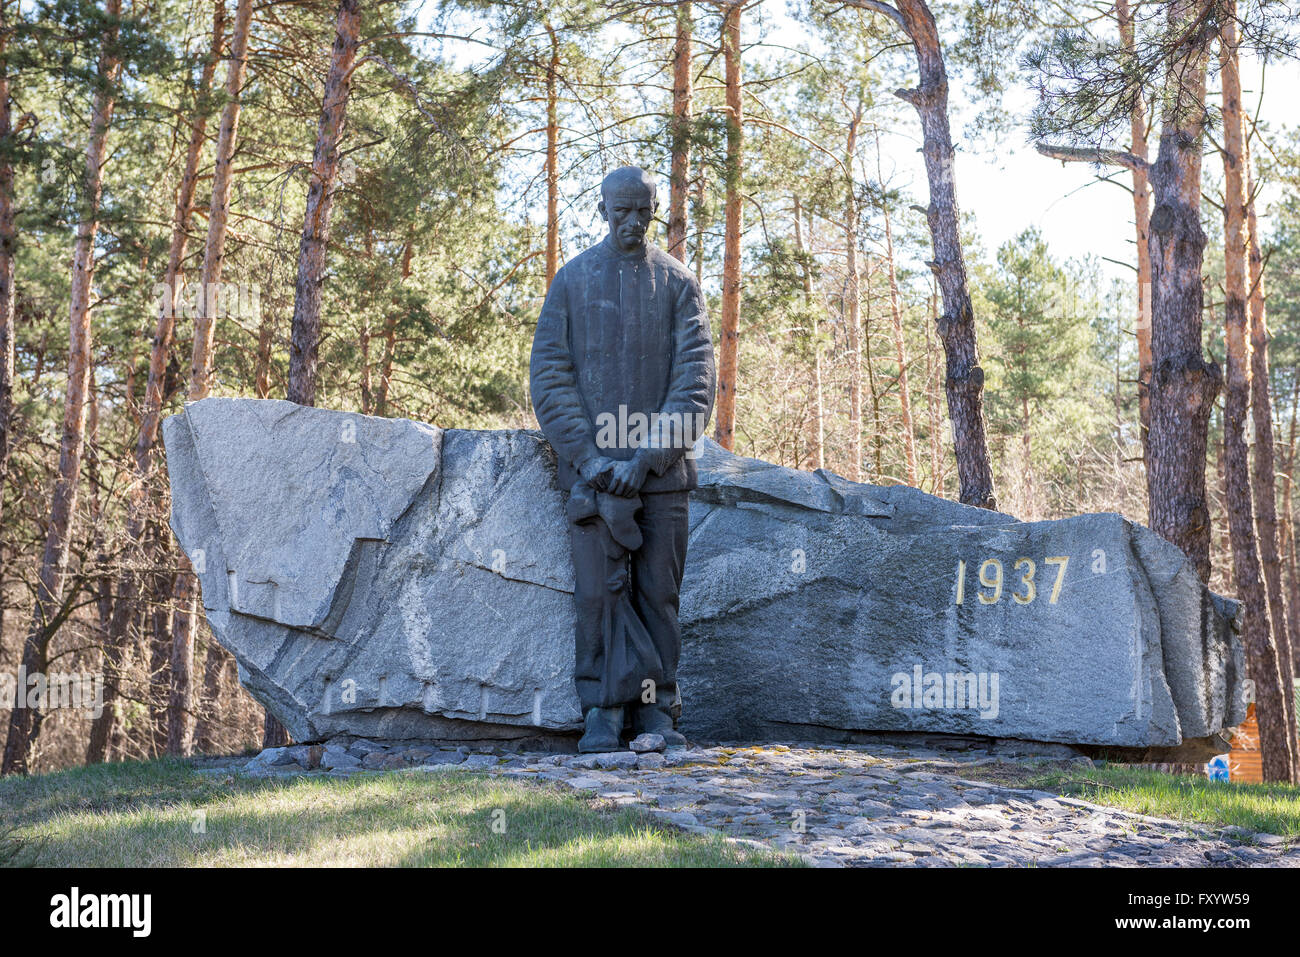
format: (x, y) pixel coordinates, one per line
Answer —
(618, 478)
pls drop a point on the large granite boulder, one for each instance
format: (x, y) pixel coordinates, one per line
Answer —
(386, 578)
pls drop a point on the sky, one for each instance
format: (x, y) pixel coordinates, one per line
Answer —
(1013, 187)
(1076, 214)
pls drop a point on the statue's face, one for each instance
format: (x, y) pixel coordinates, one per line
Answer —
(628, 208)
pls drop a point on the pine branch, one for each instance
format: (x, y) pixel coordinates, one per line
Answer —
(1087, 154)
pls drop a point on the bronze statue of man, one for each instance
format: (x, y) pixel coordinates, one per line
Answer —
(622, 382)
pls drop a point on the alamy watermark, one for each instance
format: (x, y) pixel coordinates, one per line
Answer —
(211, 300)
(78, 691)
(922, 690)
(656, 430)
(73, 910)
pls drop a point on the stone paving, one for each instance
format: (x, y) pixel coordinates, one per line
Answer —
(876, 805)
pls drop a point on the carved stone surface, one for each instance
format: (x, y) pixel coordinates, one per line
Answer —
(388, 579)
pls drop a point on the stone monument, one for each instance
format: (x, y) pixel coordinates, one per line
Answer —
(392, 580)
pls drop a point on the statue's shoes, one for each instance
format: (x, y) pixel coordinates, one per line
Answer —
(655, 719)
(603, 727)
(599, 745)
(672, 739)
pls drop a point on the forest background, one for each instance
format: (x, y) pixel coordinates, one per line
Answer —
(360, 205)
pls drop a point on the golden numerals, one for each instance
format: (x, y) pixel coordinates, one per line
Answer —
(991, 576)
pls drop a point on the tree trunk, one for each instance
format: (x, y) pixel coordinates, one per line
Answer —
(878, 429)
(729, 344)
(1264, 476)
(1272, 694)
(367, 373)
(219, 208)
(305, 341)
(93, 455)
(1025, 444)
(274, 734)
(964, 382)
(680, 132)
(390, 334)
(932, 400)
(1142, 220)
(25, 723)
(900, 348)
(104, 602)
(698, 253)
(552, 162)
(262, 366)
(151, 410)
(8, 241)
(1224, 544)
(162, 641)
(153, 396)
(180, 700)
(1183, 383)
(818, 444)
(216, 664)
(853, 304)
(1287, 527)
(1118, 387)
(1265, 480)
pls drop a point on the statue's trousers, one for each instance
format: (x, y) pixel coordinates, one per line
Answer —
(627, 600)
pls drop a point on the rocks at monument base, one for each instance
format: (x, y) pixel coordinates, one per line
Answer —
(856, 805)
(387, 579)
(344, 755)
(334, 757)
(644, 743)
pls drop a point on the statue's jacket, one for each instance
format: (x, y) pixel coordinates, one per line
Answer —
(622, 334)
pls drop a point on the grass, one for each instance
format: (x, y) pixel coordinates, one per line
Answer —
(1271, 808)
(164, 814)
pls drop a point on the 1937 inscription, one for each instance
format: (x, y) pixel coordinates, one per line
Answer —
(1023, 591)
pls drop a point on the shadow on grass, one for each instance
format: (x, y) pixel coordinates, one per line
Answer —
(162, 813)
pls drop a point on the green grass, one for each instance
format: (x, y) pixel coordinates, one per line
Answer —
(143, 814)
(1271, 808)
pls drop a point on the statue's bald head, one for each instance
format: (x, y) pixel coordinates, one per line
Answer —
(627, 179)
(628, 204)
